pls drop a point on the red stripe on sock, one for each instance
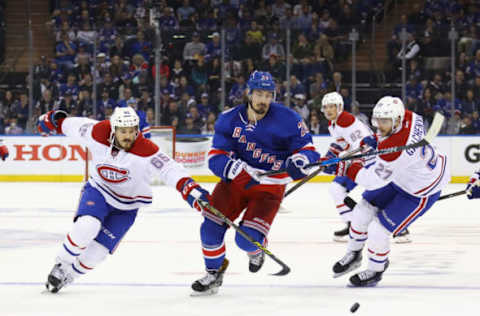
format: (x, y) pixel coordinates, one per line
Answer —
(73, 244)
(213, 253)
(84, 266)
(357, 232)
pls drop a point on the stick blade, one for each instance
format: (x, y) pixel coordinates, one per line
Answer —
(285, 270)
(435, 128)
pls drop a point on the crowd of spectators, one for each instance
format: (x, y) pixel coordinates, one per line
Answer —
(430, 90)
(2, 30)
(255, 38)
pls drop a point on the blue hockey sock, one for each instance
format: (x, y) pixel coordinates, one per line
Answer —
(213, 244)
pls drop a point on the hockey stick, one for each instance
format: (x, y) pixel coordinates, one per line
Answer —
(431, 134)
(312, 175)
(351, 203)
(454, 194)
(285, 269)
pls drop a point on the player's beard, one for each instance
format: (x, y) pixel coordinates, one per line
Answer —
(125, 144)
(260, 111)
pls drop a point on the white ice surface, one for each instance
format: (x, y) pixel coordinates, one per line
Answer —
(151, 272)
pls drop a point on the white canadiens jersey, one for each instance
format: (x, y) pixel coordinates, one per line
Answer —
(348, 131)
(420, 171)
(124, 178)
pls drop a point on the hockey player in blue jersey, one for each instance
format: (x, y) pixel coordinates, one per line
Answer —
(473, 186)
(261, 135)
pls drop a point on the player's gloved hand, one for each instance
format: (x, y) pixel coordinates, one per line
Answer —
(369, 141)
(473, 187)
(236, 171)
(349, 168)
(3, 151)
(192, 192)
(295, 166)
(50, 122)
(334, 150)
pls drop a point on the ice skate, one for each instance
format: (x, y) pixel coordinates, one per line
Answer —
(209, 284)
(342, 234)
(256, 261)
(367, 278)
(59, 277)
(351, 261)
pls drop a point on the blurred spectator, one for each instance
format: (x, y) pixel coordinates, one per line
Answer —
(473, 69)
(255, 33)
(21, 110)
(199, 72)
(470, 104)
(336, 84)
(213, 48)
(140, 46)
(273, 47)
(189, 127)
(13, 128)
(319, 87)
(65, 52)
(185, 10)
(314, 125)
(237, 92)
(195, 116)
(359, 115)
(300, 106)
(466, 127)
(194, 48)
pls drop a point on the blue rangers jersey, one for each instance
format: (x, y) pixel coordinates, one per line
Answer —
(263, 145)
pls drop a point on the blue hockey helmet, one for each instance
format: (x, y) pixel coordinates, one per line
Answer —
(261, 80)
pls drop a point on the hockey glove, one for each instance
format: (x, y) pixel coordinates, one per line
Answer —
(3, 152)
(236, 171)
(473, 187)
(334, 150)
(50, 122)
(349, 168)
(192, 192)
(369, 141)
(295, 166)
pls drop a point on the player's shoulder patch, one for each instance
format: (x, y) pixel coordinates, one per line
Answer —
(143, 147)
(101, 132)
(397, 139)
(345, 119)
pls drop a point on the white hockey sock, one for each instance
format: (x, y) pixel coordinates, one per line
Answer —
(378, 246)
(89, 259)
(84, 230)
(362, 215)
(338, 194)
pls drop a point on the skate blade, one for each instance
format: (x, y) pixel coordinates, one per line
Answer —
(402, 240)
(353, 267)
(341, 239)
(371, 284)
(209, 292)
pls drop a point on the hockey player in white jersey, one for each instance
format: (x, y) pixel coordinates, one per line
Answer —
(3, 150)
(401, 187)
(120, 184)
(473, 186)
(347, 132)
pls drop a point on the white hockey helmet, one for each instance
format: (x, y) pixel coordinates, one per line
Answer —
(389, 107)
(333, 98)
(123, 117)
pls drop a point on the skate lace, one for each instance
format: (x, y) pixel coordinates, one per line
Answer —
(349, 257)
(256, 259)
(367, 274)
(61, 272)
(208, 279)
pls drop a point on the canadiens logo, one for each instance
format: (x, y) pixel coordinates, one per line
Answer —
(112, 174)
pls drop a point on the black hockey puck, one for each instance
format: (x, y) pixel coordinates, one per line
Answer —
(354, 307)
